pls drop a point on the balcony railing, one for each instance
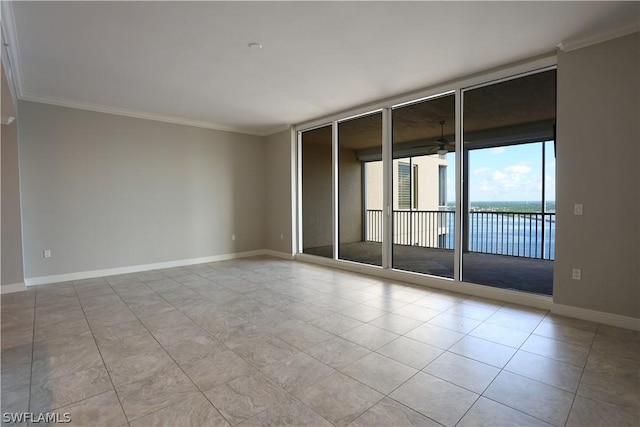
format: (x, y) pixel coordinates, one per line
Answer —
(523, 234)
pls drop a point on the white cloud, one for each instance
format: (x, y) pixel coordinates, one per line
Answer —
(518, 169)
(499, 176)
(514, 182)
(481, 171)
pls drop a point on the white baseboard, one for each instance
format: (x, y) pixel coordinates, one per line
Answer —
(43, 280)
(514, 297)
(14, 287)
(277, 254)
(504, 295)
(597, 316)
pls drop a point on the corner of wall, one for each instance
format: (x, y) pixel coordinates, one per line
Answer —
(11, 220)
(599, 100)
(279, 197)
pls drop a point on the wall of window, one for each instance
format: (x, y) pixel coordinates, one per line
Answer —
(405, 179)
(505, 130)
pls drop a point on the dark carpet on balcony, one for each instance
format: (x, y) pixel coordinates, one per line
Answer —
(500, 271)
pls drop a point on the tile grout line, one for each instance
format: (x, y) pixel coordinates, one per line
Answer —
(153, 336)
(293, 396)
(255, 367)
(33, 345)
(263, 286)
(418, 371)
(388, 395)
(202, 392)
(573, 401)
(502, 369)
(404, 335)
(104, 364)
(523, 376)
(169, 354)
(513, 409)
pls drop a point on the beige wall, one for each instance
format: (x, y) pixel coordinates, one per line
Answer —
(103, 191)
(598, 165)
(11, 226)
(278, 230)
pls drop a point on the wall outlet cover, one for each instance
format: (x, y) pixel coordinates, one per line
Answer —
(576, 274)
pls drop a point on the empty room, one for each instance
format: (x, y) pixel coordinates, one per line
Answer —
(307, 213)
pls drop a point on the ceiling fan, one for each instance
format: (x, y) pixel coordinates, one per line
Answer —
(442, 141)
(440, 146)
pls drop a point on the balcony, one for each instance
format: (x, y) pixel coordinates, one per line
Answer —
(509, 250)
(519, 234)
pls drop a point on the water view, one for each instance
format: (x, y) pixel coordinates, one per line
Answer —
(517, 228)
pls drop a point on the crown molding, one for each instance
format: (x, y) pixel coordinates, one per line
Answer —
(6, 120)
(8, 83)
(12, 48)
(276, 129)
(16, 76)
(603, 36)
(9, 99)
(61, 102)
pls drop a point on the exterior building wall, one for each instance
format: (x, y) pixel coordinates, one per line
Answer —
(418, 228)
(428, 182)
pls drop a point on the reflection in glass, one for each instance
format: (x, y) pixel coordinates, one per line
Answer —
(510, 214)
(424, 186)
(360, 189)
(317, 234)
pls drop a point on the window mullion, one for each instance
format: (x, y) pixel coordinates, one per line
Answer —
(387, 201)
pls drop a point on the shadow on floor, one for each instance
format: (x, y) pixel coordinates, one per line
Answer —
(499, 271)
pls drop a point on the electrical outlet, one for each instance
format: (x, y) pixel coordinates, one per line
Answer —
(282, 237)
(577, 209)
(576, 274)
(233, 237)
(46, 253)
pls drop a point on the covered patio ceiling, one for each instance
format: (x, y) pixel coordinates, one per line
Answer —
(501, 114)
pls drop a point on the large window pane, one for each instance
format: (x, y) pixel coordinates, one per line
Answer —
(360, 189)
(317, 234)
(509, 228)
(423, 206)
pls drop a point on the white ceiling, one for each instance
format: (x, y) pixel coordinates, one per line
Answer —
(190, 61)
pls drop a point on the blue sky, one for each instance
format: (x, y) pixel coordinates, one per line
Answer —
(506, 173)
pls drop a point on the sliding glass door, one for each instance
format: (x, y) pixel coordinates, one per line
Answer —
(317, 216)
(360, 189)
(508, 241)
(423, 186)
(459, 185)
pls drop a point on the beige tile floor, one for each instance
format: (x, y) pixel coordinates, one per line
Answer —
(263, 341)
